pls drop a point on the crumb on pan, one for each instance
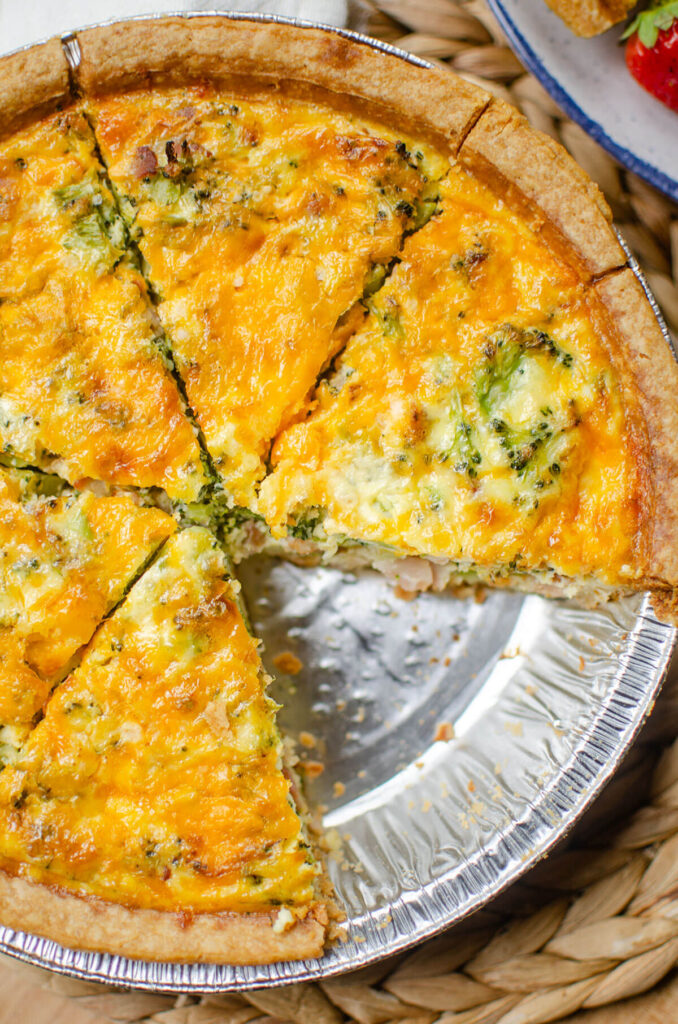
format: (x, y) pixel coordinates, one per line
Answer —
(288, 663)
(444, 732)
(330, 841)
(284, 920)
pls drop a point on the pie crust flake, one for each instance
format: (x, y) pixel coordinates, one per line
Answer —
(268, 287)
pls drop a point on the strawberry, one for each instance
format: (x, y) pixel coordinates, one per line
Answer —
(652, 51)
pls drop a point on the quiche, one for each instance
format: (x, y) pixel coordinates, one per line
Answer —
(155, 780)
(83, 387)
(262, 220)
(66, 559)
(474, 421)
(267, 287)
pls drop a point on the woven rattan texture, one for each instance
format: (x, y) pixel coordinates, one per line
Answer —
(596, 924)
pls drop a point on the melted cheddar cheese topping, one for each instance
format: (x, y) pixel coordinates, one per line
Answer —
(55, 210)
(65, 561)
(262, 221)
(83, 388)
(474, 416)
(154, 779)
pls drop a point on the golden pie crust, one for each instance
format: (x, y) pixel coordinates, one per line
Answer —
(34, 83)
(533, 175)
(153, 934)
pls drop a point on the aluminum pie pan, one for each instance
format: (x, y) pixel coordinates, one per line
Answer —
(545, 698)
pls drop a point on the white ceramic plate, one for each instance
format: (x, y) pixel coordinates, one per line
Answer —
(588, 79)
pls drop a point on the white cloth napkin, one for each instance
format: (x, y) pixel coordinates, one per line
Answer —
(29, 21)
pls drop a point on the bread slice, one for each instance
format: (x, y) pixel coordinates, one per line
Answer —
(591, 17)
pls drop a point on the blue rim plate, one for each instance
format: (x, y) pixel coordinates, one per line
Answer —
(588, 79)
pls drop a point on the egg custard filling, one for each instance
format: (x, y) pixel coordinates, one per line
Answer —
(263, 287)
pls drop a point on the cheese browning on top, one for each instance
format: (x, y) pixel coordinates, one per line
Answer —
(262, 220)
(475, 417)
(154, 779)
(65, 560)
(83, 388)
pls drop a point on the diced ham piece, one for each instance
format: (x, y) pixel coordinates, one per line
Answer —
(145, 162)
(294, 788)
(301, 547)
(441, 575)
(410, 573)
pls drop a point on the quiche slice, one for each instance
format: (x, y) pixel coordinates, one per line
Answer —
(83, 387)
(66, 559)
(149, 812)
(263, 215)
(482, 425)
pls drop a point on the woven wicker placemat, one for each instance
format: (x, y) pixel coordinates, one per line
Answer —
(592, 927)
